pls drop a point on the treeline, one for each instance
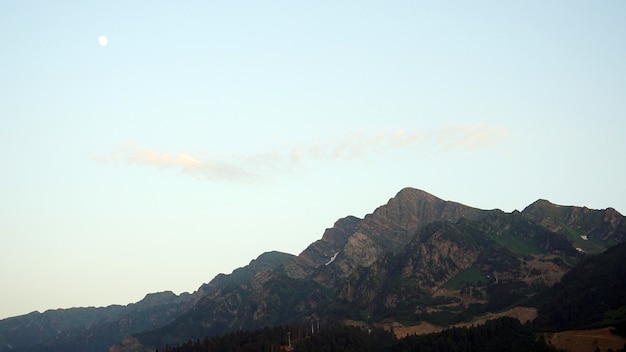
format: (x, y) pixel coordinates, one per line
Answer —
(266, 339)
(503, 334)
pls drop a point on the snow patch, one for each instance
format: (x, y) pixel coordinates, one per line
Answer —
(585, 238)
(332, 259)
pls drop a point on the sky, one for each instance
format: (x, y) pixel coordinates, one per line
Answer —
(205, 133)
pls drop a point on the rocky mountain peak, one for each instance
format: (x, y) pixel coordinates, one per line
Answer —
(540, 206)
(411, 208)
(611, 214)
(354, 243)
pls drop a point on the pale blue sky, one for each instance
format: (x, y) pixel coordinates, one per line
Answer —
(206, 133)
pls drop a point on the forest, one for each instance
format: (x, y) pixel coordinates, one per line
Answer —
(503, 334)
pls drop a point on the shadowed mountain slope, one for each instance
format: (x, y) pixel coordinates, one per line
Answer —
(89, 329)
(592, 294)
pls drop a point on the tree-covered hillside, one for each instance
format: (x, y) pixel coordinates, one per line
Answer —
(504, 334)
(592, 294)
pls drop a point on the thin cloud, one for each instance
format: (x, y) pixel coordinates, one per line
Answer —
(348, 145)
(355, 144)
(469, 137)
(184, 162)
(352, 144)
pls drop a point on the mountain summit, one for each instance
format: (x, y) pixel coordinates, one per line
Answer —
(354, 243)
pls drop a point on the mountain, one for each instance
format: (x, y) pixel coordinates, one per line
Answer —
(95, 329)
(417, 259)
(596, 282)
(89, 329)
(303, 284)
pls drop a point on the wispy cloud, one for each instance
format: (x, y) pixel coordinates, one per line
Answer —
(351, 144)
(348, 145)
(185, 162)
(354, 144)
(469, 137)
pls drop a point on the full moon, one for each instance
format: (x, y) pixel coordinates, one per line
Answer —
(103, 40)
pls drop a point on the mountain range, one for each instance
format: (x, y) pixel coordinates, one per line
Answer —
(414, 261)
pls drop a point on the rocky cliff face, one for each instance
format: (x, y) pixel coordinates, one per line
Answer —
(497, 248)
(321, 251)
(392, 226)
(353, 243)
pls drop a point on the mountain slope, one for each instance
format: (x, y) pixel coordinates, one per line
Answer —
(89, 329)
(401, 261)
(265, 262)
(301, 286)
(95, 329)
(449, 266)
(592, 294)
(498, 334)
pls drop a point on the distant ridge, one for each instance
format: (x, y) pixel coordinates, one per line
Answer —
(89, 329)
(601, 228)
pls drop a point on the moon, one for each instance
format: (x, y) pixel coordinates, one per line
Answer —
(103, 40)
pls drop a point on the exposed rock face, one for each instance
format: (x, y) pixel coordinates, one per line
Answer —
(263, 263)
(441, 250)
(412, 208)
(437, 253)
(392, 226)
(320, 251)
(388, 229)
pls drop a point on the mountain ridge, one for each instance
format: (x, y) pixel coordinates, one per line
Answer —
(394, 263)
(525, 248)
(89, 328)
